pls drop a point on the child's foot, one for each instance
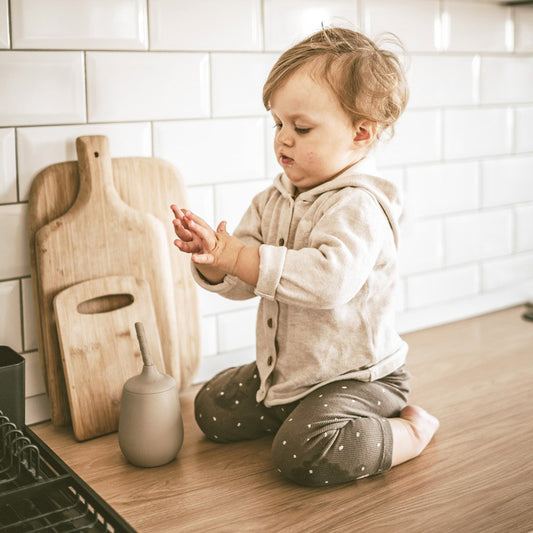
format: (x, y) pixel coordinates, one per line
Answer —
(411, 433)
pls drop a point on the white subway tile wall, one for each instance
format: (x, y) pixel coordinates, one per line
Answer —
(41, 88)
(477, 132)
(437, 80)
(38, 147)
(438, 189)
(288, 21)
(507, 180)
(523, 34)
(506, 271)
(213, 151)
(211, 25)
(238, 195)
(15, 253)
(10, 324)
(8, 168)
(236, 330)
(417, 139)
(523, 121)
(182, 80)
(422, 247)
(440, 286)
(414, 21)
(140, 86)
(30, 331)
(506, 79)
(475, 236)
(471, 27)
(4, 24)
(84, 24)
(524, 225)
(237, 81)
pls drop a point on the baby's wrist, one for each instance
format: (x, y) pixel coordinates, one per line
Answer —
(236, 265)
(234, 247)
(237, 259)
(247, 265)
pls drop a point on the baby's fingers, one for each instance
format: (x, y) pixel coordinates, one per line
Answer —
(204, 233)
(189, 215)
(178, 213)
(188, 247)
(203, 258)
(221, 228)
(181, 231)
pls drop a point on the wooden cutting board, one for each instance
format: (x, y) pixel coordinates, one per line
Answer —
(91, 232)
(99, 348)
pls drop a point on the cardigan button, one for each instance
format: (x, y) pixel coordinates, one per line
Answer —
(270, 322)
(270, 360)
(281, 242)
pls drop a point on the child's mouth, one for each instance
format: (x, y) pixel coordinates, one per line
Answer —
(286, 160)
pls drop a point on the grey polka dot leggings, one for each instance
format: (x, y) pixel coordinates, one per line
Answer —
(335, 434)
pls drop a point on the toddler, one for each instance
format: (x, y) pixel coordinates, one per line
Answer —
(319, 247)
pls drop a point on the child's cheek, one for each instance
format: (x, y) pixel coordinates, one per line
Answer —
(311, 158)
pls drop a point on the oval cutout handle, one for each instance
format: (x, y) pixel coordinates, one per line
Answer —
(105, 304)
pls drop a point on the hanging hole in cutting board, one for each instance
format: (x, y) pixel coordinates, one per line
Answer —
(105, 304)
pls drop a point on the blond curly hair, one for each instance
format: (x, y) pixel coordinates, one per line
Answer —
(369, 81)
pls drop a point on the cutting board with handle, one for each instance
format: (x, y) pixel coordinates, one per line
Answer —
(80, 228)
(99, 349)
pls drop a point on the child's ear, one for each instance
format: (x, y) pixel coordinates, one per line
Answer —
(365, 132)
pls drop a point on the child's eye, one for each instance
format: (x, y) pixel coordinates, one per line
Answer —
(277, 125)
(302, 131)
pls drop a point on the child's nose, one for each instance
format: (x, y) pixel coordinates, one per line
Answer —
(284, 137)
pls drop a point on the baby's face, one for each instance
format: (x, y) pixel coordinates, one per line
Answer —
(315, 138)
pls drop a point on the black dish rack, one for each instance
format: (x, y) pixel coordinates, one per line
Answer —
(39, 492)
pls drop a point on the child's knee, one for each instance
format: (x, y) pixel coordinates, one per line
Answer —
(301, 456)
(331, 454)
(225, 407)
(301, 463)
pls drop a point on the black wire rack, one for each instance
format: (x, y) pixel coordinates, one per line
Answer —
(39, 492)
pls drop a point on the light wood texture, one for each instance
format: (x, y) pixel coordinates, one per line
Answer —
(149, 186)
(100, 350)
(99, 235)
(475, 476)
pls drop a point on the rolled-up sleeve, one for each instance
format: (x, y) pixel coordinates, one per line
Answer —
(272, 260)
(230, 287)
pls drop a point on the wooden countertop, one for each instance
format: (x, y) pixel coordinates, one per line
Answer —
(475, 375)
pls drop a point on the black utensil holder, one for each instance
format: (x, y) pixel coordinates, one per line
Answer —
(12, 386)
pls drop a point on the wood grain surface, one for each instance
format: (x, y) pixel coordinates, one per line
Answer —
(99, 347)
(476, 475)
(149, 186)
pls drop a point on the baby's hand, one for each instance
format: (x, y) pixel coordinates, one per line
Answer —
(190, 239)
(208, 247)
